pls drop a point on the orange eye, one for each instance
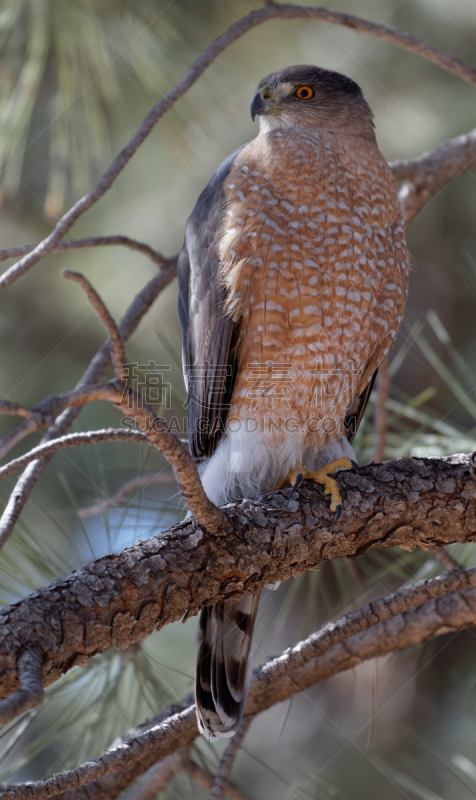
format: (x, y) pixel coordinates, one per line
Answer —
(304, 93)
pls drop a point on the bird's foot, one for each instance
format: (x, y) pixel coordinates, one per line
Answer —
(322, 476)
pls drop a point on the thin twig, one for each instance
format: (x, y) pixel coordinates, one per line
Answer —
(210, 516)
(72, 440)
(117, 346)
(155, 430)
(183, 465)
(91, 241)
(251, 20)
(7, 407)
(136, 311)
(446, 560)
(157, 777)
(142, 481)
(200, 776)
(227, 761)
(26, 483)
(31, 691)
(383, 382)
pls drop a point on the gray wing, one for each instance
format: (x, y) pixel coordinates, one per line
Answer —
(210, 339)
(356, 411)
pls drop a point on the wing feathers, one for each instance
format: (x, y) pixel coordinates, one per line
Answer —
(210, 337)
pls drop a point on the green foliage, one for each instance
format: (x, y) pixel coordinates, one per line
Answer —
(70, 71)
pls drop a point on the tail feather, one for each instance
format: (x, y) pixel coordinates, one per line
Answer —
(224, 665)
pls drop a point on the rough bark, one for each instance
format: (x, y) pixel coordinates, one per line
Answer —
(121, 598)
(162, 736)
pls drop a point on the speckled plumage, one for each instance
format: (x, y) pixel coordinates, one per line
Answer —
(314, 261)
(293, 281)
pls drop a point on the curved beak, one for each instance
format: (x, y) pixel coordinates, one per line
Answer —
(260, 106)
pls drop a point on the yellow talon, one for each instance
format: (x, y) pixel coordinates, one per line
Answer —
(321, 476)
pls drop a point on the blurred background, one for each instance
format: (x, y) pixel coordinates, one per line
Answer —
(76, 78)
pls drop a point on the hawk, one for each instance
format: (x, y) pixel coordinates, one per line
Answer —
(292, 285)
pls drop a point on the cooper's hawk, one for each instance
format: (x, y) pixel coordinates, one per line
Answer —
(293, 281)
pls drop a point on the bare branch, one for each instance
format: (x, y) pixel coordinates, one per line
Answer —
(120, 599)
(138, 308)
(156, 433)
(204, 779)
(112, 785)
(254, 18)
(26, 483)
(376, 612)
(30, 693)
(432, 618)
(142, 745)
(446, 560)
(141, 482)
(383, 382)
(183, 465)
(20, 432)
(185, 470)
(425, 176)
(72, 440)
(92, 241)
(117, 347)
(7, 407)
(157, 777)
(225, 766)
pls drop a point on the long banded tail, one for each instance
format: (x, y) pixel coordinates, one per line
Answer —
(224, 665)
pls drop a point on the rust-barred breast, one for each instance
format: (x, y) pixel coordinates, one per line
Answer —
(315, 263)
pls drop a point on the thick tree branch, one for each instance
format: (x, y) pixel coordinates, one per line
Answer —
(423, 177)
(92, 241)
(434, 617)
(122, 598)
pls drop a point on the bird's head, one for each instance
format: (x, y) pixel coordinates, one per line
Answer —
(309, 96)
